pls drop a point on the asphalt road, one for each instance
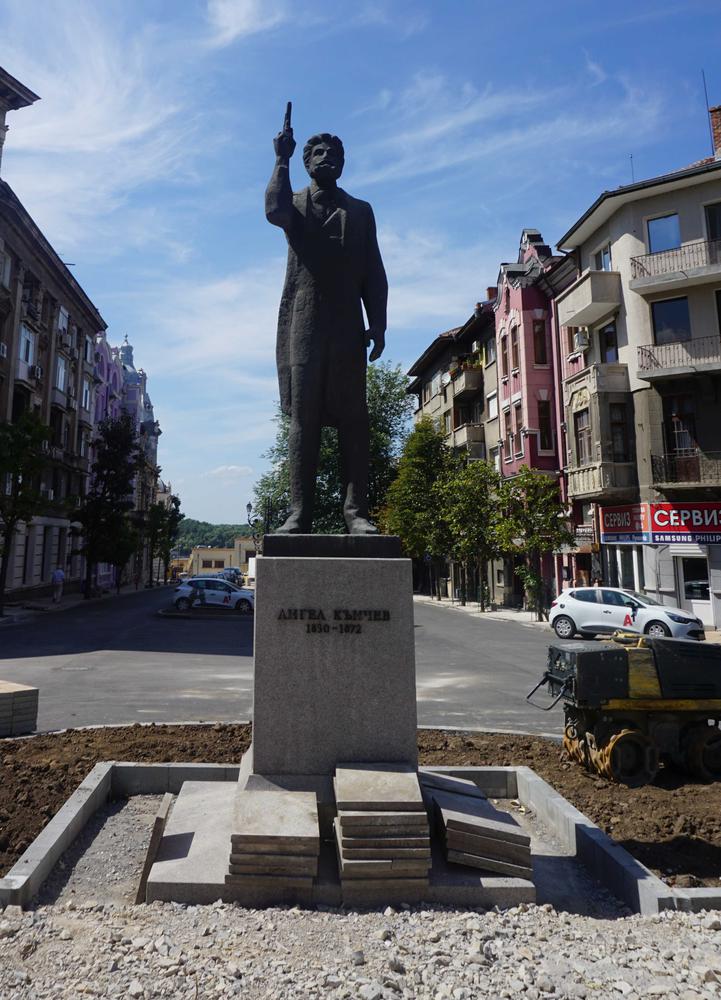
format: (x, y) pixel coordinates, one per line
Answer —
(116, 662)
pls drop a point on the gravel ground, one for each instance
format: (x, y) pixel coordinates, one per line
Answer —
(168, 950)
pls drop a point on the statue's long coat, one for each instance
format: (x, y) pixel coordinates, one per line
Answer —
(333, 267)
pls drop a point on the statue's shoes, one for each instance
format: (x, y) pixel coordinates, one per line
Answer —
(292, 526)
(361, 526)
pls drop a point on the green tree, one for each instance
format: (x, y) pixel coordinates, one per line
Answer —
(389, 411)
(414, 507)
(22, 459)
(533, 523)
(168, 532)
(192, 533)
(109, 499)
(468, 498)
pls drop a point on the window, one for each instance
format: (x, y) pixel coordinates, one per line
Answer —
(545, 427)
(518, 424)
(514, 348)
(219, 564)
(492, 405)
(61, 373)
(582, 428)
(539, 342)
(207, 563)
(5, 266)
(504, 356)
(490, 351)
(447, 422)
(602, 259)
(713, 221)
(89, 352)
(671, 321)
(664, 233)
(589, 596)
(620, 437)
(496, 459)
(62, 320)
(27, 345)
(86, 394)
(509, 434)
(426, 391)
(436, 384)
(570, 342)
(679, 419)
(608, 342)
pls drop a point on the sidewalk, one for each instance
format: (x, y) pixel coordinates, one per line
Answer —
(24, 610)
(526, 618)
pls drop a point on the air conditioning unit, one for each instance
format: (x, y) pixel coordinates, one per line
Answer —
(581, 340)
(36, 371)
(475, 347)
(3, 350)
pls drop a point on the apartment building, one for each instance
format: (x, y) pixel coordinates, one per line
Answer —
(455, 383)
(640, 347)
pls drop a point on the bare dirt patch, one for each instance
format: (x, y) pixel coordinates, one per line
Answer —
(672, 826)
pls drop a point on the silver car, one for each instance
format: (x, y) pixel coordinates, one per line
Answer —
(592, 611)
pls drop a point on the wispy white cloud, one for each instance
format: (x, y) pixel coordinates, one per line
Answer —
(108, 123)
(230, 20)
(227, 472)
(595, 71)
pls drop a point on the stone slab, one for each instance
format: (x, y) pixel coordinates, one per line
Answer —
(377, 787)
(333, 546)
(334, 676)
(379, 853)
(281, 881)
(487, 847)
(460, 812)
(289, 819)
(356, 843)
(355, 819)
(447, 783)
(383, 867)
(272, 848)
(156, 835)
(12, 688)
(274, 864)
(489, 864)
(379, 894)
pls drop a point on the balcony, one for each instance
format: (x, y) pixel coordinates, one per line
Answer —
(690, 467)
(607, 377)
(601, 479)
(681, 358)
(58, 397)
(467, 382)
(468, 436)
(694, 263)
(594, 295)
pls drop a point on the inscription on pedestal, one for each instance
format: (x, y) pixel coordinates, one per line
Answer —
(334, 665)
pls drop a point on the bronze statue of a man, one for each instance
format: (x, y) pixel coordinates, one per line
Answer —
(334, 271)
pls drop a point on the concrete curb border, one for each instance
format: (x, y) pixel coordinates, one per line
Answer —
(612, 866)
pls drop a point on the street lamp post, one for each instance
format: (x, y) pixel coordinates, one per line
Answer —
(259, 526)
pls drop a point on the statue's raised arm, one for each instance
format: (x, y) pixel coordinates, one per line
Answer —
(279, 195)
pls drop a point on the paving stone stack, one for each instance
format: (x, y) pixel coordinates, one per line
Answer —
(18, 709)
(382, 834)
(275, 843)
(474, 832)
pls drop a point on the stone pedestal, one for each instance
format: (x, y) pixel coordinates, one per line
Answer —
(334, 655)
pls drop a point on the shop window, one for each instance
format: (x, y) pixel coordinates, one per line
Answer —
(582, 430)
(671, 321)
(540, 352)
(545, 426)
(608, 343)
(620, 437)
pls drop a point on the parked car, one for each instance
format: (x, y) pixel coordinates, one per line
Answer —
(232, 574)
(591, 611)
(215, 593)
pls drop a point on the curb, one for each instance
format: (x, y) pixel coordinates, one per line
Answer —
(203, 616)
(611, 865)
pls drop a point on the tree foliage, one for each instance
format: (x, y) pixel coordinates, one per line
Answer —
(192, 532)
(104, 510)
(533, 522)
(389, 410)
(22, 459)
(163, 527)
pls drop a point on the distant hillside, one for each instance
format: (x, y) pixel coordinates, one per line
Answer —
(194, 532)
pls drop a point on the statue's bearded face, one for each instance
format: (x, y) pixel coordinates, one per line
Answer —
(325, 163)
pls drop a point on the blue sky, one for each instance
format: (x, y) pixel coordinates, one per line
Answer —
(146, 160)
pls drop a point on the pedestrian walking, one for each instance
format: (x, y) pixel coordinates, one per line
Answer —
(57, 580)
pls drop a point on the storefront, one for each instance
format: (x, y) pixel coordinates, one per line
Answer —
(669, 550)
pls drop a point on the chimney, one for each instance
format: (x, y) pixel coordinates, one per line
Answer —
(491, 292)
(715, 116)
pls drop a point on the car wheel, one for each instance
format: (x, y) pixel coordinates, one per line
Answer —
(564, 628)
(658, 630)
(244, 606)
(183, 604)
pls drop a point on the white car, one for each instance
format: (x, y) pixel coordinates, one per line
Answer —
(213, 592)
(592, 611)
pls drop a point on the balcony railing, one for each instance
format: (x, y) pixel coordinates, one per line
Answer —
(704, 253)
(690, 466)
(680, 354)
